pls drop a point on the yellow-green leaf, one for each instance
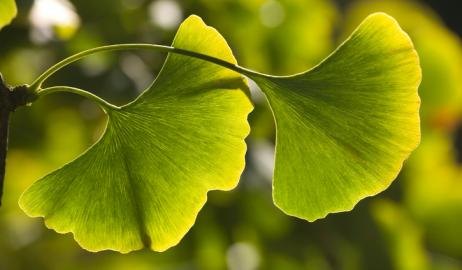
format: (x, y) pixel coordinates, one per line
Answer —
(144, 182)
(345, 127)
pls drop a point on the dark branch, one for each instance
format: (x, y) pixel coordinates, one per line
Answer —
(4, 121)
(10, 99)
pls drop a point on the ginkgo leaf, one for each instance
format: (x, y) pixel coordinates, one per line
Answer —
(144, 182)
(7, 12)
(345, 127)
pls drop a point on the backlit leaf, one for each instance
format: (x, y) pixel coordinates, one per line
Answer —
(145, 180)
(345, 127)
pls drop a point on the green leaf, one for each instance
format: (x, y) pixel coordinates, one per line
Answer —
(345, 127)
(144, 182)
(7, 12)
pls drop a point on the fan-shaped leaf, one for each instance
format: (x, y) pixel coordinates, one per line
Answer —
(145, 180)
(345, 127)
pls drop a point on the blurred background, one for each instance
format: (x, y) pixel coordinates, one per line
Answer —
(415, 224)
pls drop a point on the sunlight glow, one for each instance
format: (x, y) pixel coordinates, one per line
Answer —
(166, 14)
(52, 18)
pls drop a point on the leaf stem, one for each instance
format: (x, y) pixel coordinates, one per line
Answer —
(35, 86)
(106, 106)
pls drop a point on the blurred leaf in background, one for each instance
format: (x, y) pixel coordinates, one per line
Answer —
(7, 12)
(404, 238)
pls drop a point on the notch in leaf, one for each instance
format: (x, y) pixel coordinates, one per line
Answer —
(144, 182)
(345, 127)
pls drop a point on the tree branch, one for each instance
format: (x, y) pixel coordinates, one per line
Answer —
(5, 109)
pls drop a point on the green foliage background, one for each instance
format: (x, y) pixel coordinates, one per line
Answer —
(413, 225)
